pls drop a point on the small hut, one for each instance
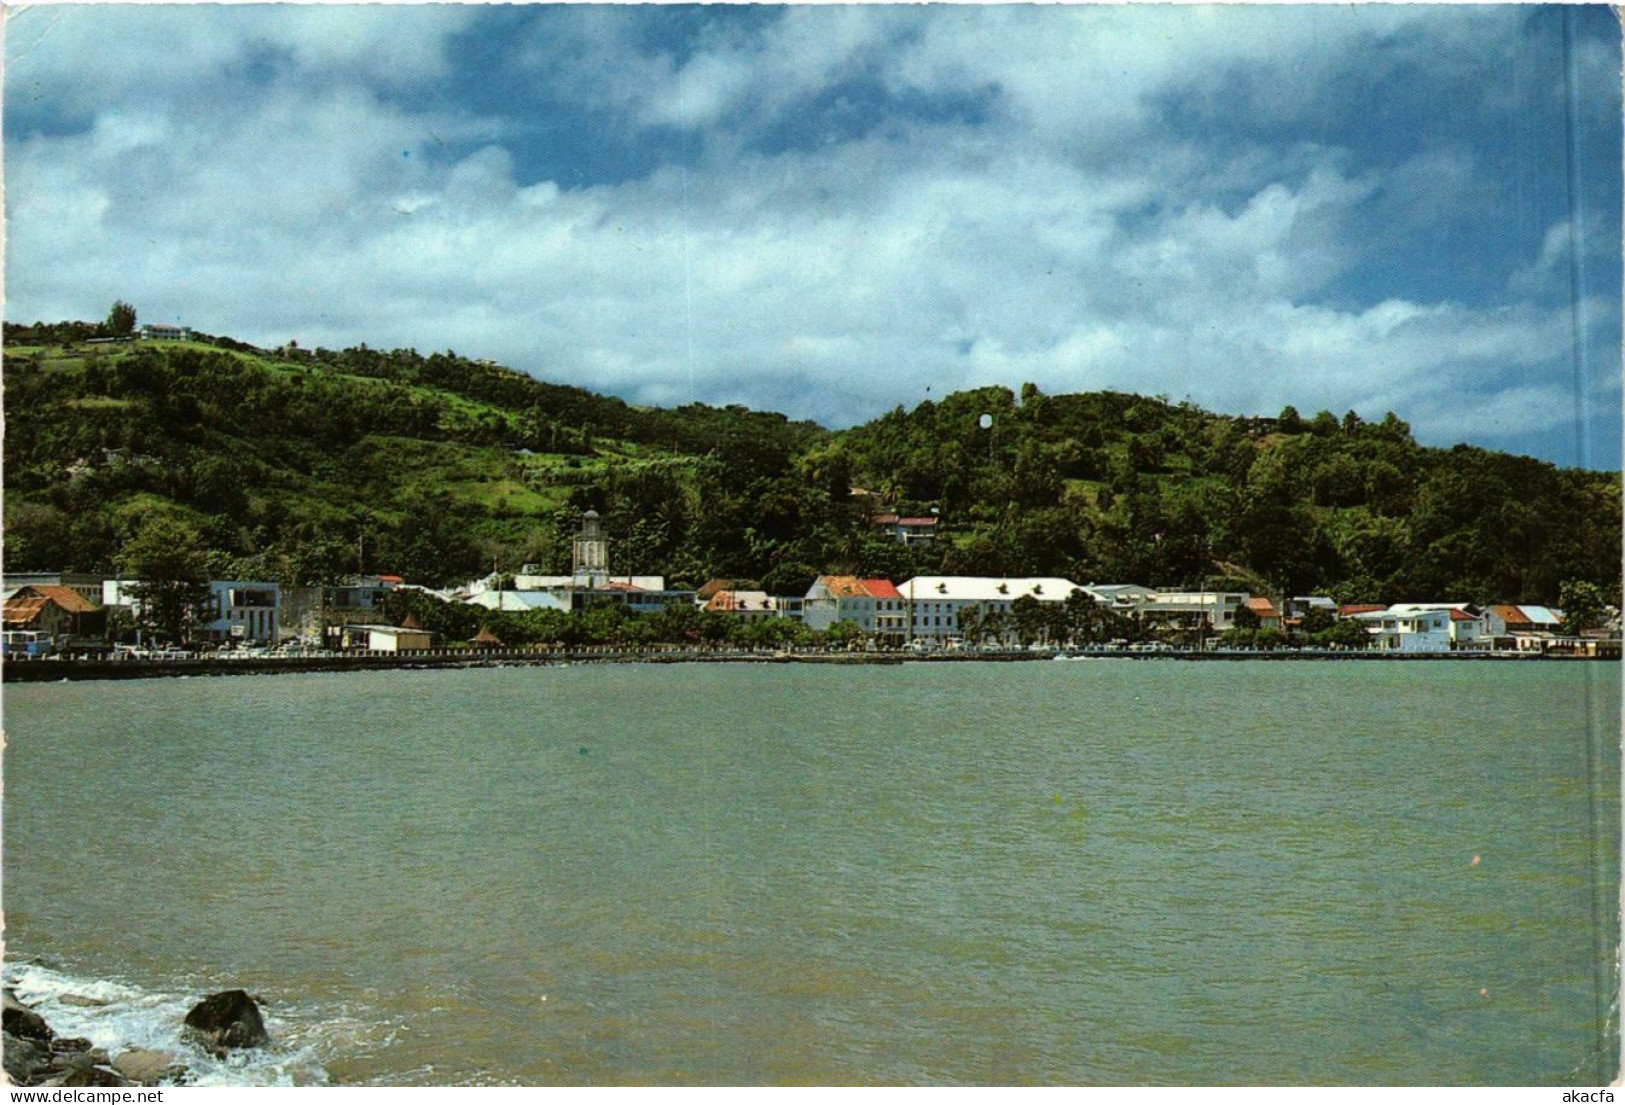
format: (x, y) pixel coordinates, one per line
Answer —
(485, 639)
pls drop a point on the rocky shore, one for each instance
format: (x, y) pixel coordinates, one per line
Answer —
(35, 1055)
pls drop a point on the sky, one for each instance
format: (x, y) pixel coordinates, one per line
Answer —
(831, 211)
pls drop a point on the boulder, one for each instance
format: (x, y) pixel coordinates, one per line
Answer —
(227, 1020)
(83, 1001)
(26, 1061)
(21, 1021)
(87, 1075)
(147, 1068)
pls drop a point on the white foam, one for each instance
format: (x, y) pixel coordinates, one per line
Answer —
(132, 1016)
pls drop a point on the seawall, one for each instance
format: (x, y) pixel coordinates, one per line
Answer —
(60, 670)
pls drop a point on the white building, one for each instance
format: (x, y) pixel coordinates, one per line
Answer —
(873, 605)
(1408, 631)
(1216, 608)
(387, 638)
(235, 610)
(1468, 626)
(934, 603)
(1122, 597)
(518, 602)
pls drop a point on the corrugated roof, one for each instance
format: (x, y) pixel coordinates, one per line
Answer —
(1512, 615)
(1350, 609)
(1264, 608)
(22, 611)
(66, 597)
(916, 521)
(879, 588)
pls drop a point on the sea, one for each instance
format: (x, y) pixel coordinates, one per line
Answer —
(1098, 872)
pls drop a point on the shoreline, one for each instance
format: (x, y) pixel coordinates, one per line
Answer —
(57, 671)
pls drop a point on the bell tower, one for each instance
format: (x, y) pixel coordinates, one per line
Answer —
(589, 553)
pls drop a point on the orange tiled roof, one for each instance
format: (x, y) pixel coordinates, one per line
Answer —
(1264, 608)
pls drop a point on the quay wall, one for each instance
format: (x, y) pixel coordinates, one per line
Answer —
(59, 670)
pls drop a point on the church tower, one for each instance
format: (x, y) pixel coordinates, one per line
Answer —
(589, 553)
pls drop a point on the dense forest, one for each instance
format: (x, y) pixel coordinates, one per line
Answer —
(308, 465)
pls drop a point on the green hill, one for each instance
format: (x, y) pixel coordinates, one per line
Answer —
(303, 465)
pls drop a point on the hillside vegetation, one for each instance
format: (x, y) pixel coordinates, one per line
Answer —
(306, 465)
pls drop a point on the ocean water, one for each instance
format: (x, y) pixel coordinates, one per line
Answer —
(1099, 872)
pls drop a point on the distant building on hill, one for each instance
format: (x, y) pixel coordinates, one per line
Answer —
(907, 531)
(163, 331)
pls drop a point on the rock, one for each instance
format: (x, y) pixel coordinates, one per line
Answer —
(26, 1061)
(88, 1076)
(226, 1020)
(23, 1022)
(147, 1068)
(82, 1001)
(70, 1043)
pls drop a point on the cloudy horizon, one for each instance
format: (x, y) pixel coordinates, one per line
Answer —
(833, 210)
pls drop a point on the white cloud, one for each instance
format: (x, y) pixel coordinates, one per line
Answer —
(831, 283)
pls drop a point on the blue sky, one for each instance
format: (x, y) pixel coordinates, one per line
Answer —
(828, 210)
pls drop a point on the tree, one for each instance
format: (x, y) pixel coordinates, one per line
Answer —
(1028, 614)
(970, 624)
(1344, 633)
(166, 559)
(121, 320)
(843, 634)
(1582, 604)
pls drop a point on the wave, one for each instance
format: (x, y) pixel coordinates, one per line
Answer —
(116, 1015)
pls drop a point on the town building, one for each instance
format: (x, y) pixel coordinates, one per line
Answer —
(1120, 597)
(935, 604)
(520, 602)
(1412, 631)
(1211, 610)
(247, 612)
(1268, 615)
(747, 606)
(53, 612)
(906, 531)
(873, 605)
(387, 638)
(1467, 625)
(87, 584)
